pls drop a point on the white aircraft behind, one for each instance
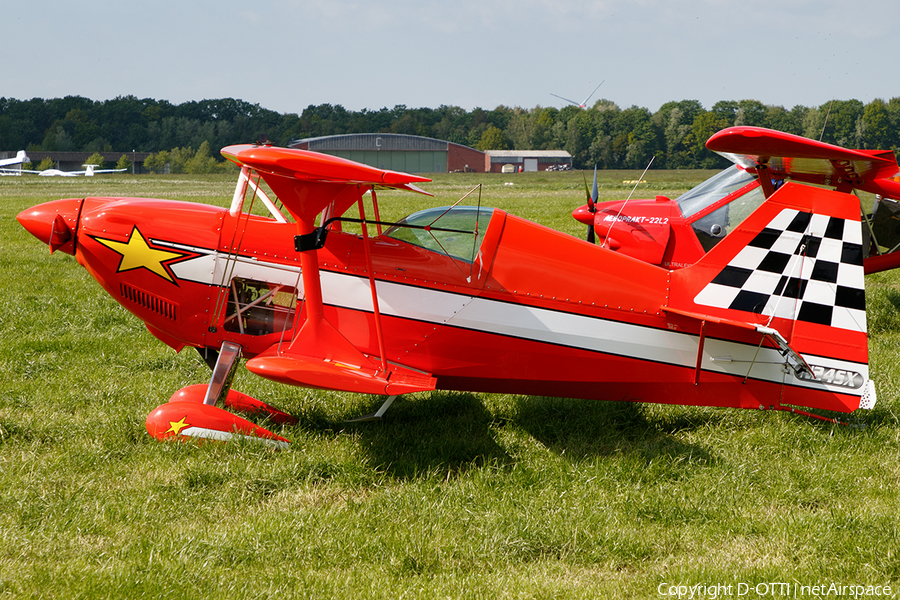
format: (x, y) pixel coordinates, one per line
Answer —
(90, 171)
(19, 160)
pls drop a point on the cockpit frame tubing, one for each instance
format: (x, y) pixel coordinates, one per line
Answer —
(240, 310)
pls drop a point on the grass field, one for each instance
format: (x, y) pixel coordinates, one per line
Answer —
(452, 495)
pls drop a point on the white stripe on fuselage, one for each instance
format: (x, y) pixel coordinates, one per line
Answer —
(218, 268)
(516, 320)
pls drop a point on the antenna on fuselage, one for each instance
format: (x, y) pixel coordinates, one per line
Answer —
(825, 124)
(621, 208)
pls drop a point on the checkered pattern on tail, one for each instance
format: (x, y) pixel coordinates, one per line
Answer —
(802, 266)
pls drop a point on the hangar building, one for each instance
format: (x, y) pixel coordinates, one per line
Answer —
(397, 152)
(416, 154)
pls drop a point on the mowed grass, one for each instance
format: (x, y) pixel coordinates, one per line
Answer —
(451, 495)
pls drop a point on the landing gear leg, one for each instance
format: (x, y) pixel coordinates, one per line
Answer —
(375, 416)
(223, 373)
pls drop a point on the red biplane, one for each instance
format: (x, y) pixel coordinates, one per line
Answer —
(473, 298)
(676, 233)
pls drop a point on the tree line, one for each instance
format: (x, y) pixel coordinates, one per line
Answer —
(604, 134)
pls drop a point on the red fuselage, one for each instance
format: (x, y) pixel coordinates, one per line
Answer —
(537, 312)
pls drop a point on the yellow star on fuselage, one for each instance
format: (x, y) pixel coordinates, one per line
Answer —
(137, 254)
(177, 426)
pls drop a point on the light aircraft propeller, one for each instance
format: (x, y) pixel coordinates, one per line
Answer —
(591, 203)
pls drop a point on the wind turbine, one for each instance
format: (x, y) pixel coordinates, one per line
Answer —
(582, 104)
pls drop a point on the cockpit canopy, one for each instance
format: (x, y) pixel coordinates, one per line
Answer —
(720, 203)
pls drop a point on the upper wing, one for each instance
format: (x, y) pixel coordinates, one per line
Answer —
(307, 182)
(803, 159)
(305, 165)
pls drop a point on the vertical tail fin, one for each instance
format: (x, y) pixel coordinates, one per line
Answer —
(801, 266)
(795, 267)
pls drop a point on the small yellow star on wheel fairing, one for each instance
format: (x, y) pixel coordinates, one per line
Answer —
(177, 426)
(136, 253)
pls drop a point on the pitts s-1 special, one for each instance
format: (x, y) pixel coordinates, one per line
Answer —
(772, 316)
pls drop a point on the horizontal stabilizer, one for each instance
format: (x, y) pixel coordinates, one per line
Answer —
(791, 357)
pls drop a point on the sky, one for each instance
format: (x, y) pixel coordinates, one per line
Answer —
(285, 55)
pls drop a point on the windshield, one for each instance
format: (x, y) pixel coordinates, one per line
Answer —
(456, 231)
(713, 189)
(712, 224)
(711, 228)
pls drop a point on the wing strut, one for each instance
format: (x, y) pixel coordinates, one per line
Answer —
(379, 332)
(700, 345)
(237, 201)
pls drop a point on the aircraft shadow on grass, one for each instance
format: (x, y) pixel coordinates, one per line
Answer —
(451, 432)
(582, 429)
(443, 432)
